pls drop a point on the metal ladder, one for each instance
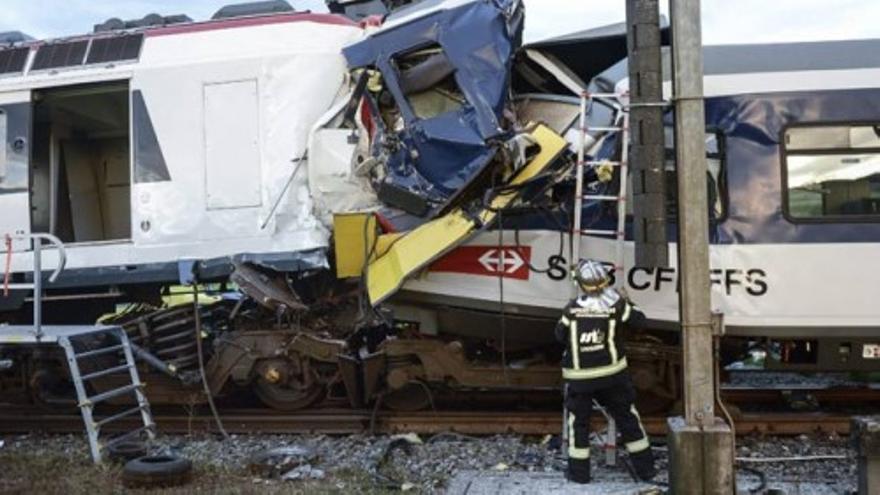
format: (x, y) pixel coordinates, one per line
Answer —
(75, 342)
(116, 344)
(620, 125)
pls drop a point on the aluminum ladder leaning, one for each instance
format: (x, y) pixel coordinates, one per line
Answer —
(620, 125)
(81, 347)
(112, 355)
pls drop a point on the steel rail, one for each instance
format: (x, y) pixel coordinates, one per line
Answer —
(341, 422)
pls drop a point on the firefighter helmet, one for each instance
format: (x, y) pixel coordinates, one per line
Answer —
(592, 276)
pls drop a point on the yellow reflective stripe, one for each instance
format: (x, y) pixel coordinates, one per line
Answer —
(575, 350)
(565, 321)
(626, 310)
(573, 451)
(612, 347)
(589, 374)
(638, 445)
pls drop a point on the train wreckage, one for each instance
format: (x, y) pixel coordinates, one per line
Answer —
(383, 209)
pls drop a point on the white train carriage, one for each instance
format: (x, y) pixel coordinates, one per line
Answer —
(143, 147)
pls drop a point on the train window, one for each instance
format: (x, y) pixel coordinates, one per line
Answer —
(2, 148)
(832, 171)
(715, 179)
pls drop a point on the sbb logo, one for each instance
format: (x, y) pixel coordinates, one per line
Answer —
(504, 261)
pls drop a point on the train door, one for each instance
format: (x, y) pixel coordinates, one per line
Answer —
(80, 162)
(15, 180)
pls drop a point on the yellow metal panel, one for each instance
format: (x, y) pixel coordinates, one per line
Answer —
(385, 242)
(353, 236)
(417, 249)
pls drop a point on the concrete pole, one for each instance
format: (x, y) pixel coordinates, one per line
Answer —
(865, 438)
(693, 221)
(647, 143)
(700, 445)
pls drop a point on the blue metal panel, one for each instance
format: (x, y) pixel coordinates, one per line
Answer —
(438, 156)
(753, 126)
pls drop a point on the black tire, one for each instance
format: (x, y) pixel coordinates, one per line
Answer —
(156, 471)
(126, 451)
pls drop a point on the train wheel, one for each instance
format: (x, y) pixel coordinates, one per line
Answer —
(287, 385)
(414, 396)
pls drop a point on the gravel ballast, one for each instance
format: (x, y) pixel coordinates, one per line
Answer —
(305, 463)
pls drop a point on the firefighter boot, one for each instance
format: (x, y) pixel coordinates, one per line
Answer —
(578, 470)
(643, 464)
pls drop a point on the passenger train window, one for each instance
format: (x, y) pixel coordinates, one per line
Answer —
(832, 171)
(2, 148)
(715, 177)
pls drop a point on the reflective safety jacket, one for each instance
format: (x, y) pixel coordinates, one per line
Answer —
(591, 328)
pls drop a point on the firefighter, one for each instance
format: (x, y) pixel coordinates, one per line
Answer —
(594, 367)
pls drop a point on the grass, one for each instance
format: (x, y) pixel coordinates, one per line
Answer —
(32, 473)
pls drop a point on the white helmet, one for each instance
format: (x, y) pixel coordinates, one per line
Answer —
(592, 276)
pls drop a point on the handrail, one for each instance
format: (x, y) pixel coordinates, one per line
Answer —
(37, 284)
(59, 245)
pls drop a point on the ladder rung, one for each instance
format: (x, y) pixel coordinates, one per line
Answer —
(98, 352)
(601, 129)
(108, 371)
(127, 412)
(112, 393)
(603, 95)
(599, 197)
(126, 436)
(601, 232)
(594, 163)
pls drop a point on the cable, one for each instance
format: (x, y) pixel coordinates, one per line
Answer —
(501, 269)
(560, 229)
(8, 269)
(716, 348)
(798, 458)
(762, 478)
(201, 355)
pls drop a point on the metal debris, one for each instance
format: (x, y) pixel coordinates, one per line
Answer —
(282, 461)
(304, 472)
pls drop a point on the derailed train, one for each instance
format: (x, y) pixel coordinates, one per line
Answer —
(245, 149)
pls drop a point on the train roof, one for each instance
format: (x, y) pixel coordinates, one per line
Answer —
(119, 53)
(775, 67)
(790, 57)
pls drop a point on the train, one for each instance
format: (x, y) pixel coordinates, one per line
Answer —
(381, 209)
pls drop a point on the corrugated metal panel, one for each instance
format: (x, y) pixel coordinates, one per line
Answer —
(60, 55)
(127, 47)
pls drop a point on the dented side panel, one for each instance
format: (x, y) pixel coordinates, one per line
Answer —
(435, 156)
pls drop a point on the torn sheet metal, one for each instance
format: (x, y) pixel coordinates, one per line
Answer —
(445, 66)
(420, 247)
(585, 53)
(269, 289)
(339, 165)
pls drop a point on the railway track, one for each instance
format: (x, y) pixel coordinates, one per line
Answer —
(247, 421)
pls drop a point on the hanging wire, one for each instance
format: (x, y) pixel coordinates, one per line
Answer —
(201, 355)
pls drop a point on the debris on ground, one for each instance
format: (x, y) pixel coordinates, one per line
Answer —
(307, 463)
(303, 472)
(280, 461)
